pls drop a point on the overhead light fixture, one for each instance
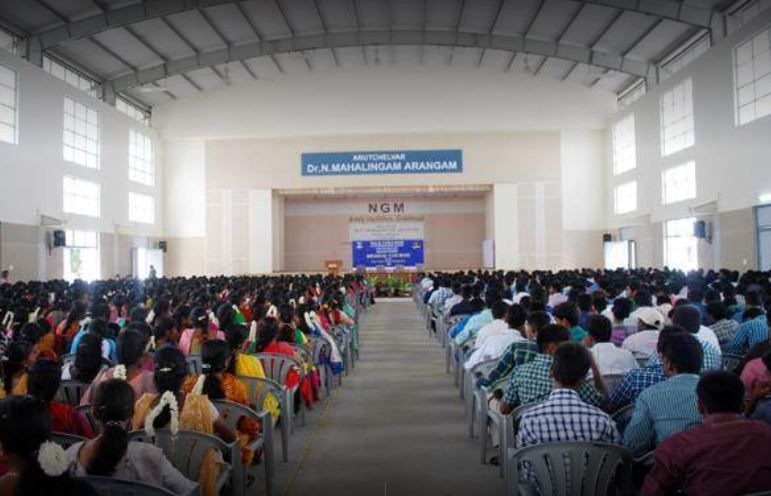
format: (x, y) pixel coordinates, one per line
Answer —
(764, 198)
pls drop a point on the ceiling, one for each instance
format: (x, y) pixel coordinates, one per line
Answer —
(160, 50)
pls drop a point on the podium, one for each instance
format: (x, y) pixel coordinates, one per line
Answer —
(334, 267)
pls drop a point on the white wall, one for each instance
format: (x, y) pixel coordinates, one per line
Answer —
(401, 99)
(184, 167)
(32, 170)
(732, 167)
(731, 161)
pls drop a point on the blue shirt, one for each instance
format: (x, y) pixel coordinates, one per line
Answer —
(473, 325)
(661, 410)
(748, 335)
(635, 382)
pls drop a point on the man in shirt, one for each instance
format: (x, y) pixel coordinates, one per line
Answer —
(453, 300)
(754, 330)
(442, 294)
(531, 383)
(520, 352)
(496, 343)
(668, 407)
(642, 344)
(609, 358)
(498, 326)
(725, 455)
(564, 416)
(721, 322)
(566, 315)
(470, 304)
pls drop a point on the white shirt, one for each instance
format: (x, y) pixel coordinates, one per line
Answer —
(612, 360)
(518, 297)
(493, 348)
(556, 298)
(494, 328)
(427, 283)
(451, 302)
(642, 344)
(708, 335)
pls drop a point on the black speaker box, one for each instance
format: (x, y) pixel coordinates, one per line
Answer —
(59, 238)
(607, 238)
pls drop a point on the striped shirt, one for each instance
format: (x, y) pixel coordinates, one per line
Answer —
(748, 335)
(532, 383)
(662, 410)
(724, 330)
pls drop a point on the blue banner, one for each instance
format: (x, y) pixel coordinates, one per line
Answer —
(396, 162)
(388, 253)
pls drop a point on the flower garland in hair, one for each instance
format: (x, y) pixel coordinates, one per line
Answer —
(150, 344)
(308, 320)
(272, 312)
(252, 332)
(119, 372)
(213, 319)
(8, 320)
(150, 317)
(169, 399)
(52, 459)
(198, 388)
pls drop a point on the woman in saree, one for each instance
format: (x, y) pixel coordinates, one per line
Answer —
(218, 383)
(191, 340)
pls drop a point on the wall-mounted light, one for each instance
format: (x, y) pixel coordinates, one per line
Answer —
(764, 198)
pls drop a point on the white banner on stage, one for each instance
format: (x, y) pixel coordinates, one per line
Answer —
(376, 231)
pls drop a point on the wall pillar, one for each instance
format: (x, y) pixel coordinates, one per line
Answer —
(506, 226)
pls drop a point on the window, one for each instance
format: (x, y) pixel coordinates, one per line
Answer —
(81, 197)
(680, 245)
(624, 151)
(752, 76)
(81, 134)
(141, 167)
(9, 41)
(678, 183)
(81, 256)
(132, 111)
(8, 105)
(632, 93)
(141, 208)
(71, 76)
(625, 196)
(681, 58)
(677, 118)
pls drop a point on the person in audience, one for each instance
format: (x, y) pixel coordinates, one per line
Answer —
(585, 309)
(564, 415)
(519, 352)
(98, 327)
(610, 359)
(687, 317)
(498, 326)
(34, 460)
(219, 384)
(111, 454)
(88, 360)
(19, 355)
(479, 320)
(131, 351)
(721, 323)
(619, 315)
(165, 333)
(668, 407)
(453, 300)
(191, 340)
(756, 371)
(496, 343)
(470, 304)
(566, 315)
(556, 298)
(69, 328)
(752, 331)
(43, 384)
(642, 344)
(723, 456)
(531, 383)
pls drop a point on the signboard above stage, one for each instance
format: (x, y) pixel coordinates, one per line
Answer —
(393, 162)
